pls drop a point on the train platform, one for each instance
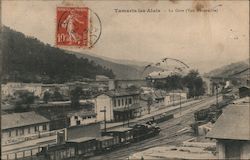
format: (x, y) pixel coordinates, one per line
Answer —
(153, 113)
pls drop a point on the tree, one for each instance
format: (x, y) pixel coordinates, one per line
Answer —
(174, 82)
(75, 95)
(194, 83)
(57, 96)
(23, 100)
(46, 96)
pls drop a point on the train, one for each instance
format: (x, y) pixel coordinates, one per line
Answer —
(213, 112)
(84, 147)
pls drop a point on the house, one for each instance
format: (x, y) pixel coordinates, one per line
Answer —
(232, 132)
(17, 126)
(117, 105)
(61, 88)
(10, 88)
(81, 117)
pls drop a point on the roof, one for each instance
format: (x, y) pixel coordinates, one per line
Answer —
(121, 93)
(15, 120)
(82, 113)
(120, 129)
(81, 140)
(132, 107)
(104, 138)
(234, 123)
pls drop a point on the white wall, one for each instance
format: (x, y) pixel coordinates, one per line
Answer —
(83, 120)
(101, 101)
(14, 136)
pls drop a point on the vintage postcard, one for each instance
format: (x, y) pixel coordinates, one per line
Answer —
(131, 79)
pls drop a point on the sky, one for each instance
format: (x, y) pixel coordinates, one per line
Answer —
(202, 40)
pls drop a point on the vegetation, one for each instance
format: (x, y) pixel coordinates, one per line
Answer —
(23, 100)
(192, 81)
(26, 59)
(75, 97)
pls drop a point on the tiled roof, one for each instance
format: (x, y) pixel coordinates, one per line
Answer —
(234, 123)
(81, 140)
(121, 93)
(15, 120)
(82, 113)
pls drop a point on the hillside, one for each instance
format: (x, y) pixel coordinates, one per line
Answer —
(230, 70)
(121, 71)
(26, 59)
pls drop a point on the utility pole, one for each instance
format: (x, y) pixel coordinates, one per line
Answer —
(104, 111)
(180, 103)
(217, 103)
(128, 115)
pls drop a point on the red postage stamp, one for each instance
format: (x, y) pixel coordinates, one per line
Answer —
(72, 26)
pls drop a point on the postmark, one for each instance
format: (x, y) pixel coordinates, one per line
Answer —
(77, 27)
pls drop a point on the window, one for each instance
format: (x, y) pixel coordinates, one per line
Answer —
(114, 103)
(36, 128)
(16, 132)
(22, 131)
(126, 101)
(130, 101)
(119, 103)
(78, 122)
(44, 127)
(122, 102)
(76, 117)
(9, 133)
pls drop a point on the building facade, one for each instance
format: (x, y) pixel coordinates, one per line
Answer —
(17, 126)
(82, 117)
(118, 105)
(232, 132)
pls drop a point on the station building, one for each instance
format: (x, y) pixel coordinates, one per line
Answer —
(232, 132)
(119, 105)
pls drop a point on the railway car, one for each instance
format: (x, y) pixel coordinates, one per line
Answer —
(106, 144)
(144, 131)
(163, 117)
(80, 148)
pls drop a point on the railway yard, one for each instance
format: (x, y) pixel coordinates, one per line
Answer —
(173, 132)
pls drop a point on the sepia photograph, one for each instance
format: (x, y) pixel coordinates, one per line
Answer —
(124, 79)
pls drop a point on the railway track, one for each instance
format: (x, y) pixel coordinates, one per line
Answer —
(173, 133)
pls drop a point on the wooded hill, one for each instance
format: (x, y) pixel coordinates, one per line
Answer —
(26, 59)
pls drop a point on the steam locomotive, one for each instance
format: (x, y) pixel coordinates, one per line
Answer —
(82, 148)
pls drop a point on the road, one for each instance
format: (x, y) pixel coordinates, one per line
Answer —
(174, 132)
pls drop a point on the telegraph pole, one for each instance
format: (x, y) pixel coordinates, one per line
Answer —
(104, 112)
(128, 115)
(217, 103)
(180, 103)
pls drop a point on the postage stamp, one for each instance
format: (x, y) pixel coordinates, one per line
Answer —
(72, 26)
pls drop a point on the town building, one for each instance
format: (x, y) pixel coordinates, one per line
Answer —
(17, 126)
(232, 132)
(9, 89)
(117, 105)
(81, 117)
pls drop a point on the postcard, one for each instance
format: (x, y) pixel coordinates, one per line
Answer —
(131, 79)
